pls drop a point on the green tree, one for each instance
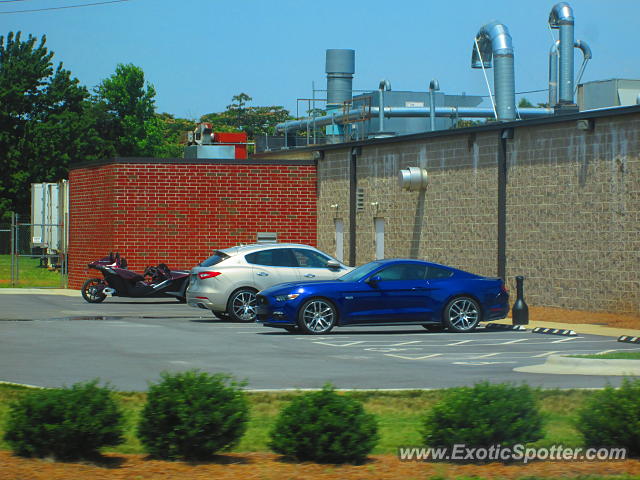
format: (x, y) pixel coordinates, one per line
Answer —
(46, 121)
(129, 103)
(253, 120)
(525, 103)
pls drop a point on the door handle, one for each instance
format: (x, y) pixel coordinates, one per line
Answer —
(262, 274)
(309, 275)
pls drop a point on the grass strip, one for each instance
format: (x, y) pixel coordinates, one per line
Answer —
(30, 274)
(612, 356)
(399, 416)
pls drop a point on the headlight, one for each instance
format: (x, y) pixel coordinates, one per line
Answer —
(284, 298)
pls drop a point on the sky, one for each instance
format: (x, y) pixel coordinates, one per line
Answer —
(198, 54)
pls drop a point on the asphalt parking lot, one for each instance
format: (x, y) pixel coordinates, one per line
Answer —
(51, 340)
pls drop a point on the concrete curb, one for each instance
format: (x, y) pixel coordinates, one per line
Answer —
(505, 326)
(563, 365)
(554, 331)
(628, 339)
(40, 291)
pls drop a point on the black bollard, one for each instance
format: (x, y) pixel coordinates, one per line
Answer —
(520, 311)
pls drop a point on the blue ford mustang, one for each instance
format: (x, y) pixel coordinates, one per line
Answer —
(386, 292)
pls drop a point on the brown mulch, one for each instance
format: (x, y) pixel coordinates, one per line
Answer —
(561, 315)
(265, 466)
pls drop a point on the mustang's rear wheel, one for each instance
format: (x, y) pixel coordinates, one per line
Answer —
(317, 316)
(92, 290)
(462, 314)
(242, 305)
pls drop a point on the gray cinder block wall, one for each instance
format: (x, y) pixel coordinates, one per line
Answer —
(572, 205)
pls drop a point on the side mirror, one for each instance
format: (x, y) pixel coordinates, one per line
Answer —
(373, 281)
(332, 264)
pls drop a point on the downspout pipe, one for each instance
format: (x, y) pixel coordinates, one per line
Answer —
(493, 44)
(384, 85)
(561, 17)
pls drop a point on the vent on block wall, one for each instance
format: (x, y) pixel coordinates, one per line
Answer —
(267, 237)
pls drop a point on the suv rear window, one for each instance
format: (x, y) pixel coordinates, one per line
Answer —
(217, 257)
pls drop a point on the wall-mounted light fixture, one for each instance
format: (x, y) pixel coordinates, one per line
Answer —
(318, 155)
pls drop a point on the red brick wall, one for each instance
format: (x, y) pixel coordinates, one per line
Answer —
(178, 213)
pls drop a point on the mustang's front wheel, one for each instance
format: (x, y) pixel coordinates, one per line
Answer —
(92, 290)
(317, 316)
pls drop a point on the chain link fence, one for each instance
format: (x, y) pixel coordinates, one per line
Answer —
(32, 255)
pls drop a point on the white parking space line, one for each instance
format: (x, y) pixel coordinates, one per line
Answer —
(545, 354)
(405, 343)
(562, 340)
(422, 357)
(349, 344)
(510, 342)
(461, 342)
(486, 355)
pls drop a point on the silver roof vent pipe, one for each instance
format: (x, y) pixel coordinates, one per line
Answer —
(434, 86)
(340, 68)
(553, 68)
(553, 74)
(561, 17)
(384, 85)
(494, 42)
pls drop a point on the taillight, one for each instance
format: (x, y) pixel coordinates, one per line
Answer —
(204, 275)
(504, 288)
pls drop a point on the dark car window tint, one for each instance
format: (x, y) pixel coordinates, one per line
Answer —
(437, 272)
(217, 257)
(277, 257)
(403, 271)
(310, 258)
(359, 273)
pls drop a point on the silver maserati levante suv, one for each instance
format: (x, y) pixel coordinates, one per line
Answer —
(227, 282)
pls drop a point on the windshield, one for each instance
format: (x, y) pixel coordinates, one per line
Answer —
(360, 272)
(217, 257)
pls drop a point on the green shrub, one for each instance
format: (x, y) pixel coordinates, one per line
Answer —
(484, 415)
(324, 427)
(611, 418)
(66, 423)
(193, 415)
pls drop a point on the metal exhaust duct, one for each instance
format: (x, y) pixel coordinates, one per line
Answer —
(384, 85)
(553, 74)
(553, 67)
(561, 17)
(493, 42)
(340, 68)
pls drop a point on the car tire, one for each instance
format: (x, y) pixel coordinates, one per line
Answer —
(317, 316)
(90, 290)
(242, 304)
(462, 314)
